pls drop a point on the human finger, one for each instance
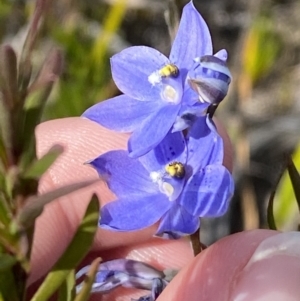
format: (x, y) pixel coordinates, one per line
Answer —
(252, 265)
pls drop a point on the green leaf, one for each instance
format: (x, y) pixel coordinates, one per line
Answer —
(85, 291)
(8, 100)
(270, 209)
(6, 262)
(270, 212)
(285, 205)
(8, 289)
(51, 70)
(35, 103)
(295, 180)
(75, 252)
(25, 66)
(3, 155)
(8, 241)
(8, 76)
(5, 134)
(5, 214)
(35, 205)
(38, 167)
(67, 290)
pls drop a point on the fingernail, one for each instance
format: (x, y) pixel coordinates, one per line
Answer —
(273, 271)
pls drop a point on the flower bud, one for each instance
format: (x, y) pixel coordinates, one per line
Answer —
(158, 285)
(126, 273)
(210, 79)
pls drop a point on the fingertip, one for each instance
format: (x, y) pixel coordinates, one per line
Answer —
(211, 275)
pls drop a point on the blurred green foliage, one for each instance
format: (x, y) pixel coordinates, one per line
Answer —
(72, 256)
(87, 72)
(25, 86)
(261, 49)
(84, 34)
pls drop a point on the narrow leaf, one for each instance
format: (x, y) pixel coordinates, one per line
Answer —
(8, 76)
(67, 290)
(270, 209)
(35, 104)
(3, 154)
(25, 66)
(75, 252)
(5, 134)
(270, 212)
(5, 214)
(35, 204)
(285, 205)
(38, 167)
(295, 179)
(85, 291)
(6, 262)
(50, 71)
(8, 289)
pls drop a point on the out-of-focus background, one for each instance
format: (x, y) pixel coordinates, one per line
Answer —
(261, 112)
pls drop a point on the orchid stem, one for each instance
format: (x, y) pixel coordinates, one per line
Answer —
(196, 244)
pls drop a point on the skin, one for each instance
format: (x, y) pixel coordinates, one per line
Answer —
(215, 274)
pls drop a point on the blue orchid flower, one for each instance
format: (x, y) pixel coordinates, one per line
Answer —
(177, 182)
(157, 94)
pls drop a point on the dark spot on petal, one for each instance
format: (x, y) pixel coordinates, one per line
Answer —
(173, 153)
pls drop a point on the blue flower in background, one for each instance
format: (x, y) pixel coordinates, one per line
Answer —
(157, 95)
(177, 182)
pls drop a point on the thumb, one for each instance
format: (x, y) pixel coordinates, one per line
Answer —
(248, 266)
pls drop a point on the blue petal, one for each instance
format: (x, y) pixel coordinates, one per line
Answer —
(133, 213)
(152, 131)
(190, 110)
(189, 97)
(193, 38)
(172, 148)
(208, 192)
(124, 175)
(120, 113)
(177, 222)
(131, 68)
(205, 145)
(222, 55)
